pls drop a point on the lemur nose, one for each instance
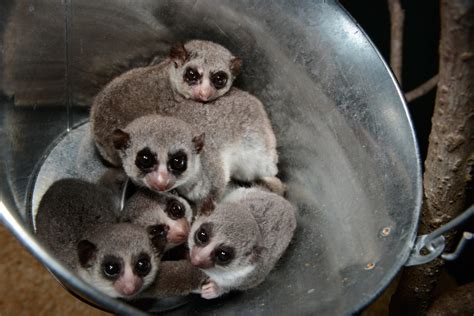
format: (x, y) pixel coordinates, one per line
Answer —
(181, 236)
(205, 93)
(203, 264)
(177, 236)
(203, 96)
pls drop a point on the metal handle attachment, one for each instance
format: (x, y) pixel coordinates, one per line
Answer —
(430, 246)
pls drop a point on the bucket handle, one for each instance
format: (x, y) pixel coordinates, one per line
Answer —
(430, 246)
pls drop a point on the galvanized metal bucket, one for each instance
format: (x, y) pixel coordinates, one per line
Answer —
(347, 146)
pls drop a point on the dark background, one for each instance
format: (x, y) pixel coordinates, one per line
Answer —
(420, 63)
(420, 50)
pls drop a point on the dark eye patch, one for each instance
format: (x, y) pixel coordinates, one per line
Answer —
(175, 209)
(223, 255)
(158, 234)
(178, 162)
(112, 267)
(158, 231)
(219, 79)
(146, 160)
(203, 234)
(191, 76)
(142, 266)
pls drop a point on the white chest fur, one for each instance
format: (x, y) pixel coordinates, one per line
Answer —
(229, 278)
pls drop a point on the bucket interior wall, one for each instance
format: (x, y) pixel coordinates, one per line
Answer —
(346, 144)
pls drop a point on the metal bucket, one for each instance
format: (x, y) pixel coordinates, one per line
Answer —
(347, 147)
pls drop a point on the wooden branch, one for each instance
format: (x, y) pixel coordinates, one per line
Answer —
(422, 89)
(450, 158)
(397, 18)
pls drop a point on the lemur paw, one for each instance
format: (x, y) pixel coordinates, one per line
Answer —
(210, 290)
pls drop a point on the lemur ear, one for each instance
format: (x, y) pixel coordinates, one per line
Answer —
(86, 251)
(120, 139)
(207, 206)
(235, 65)
(178, 54)
(199, 142)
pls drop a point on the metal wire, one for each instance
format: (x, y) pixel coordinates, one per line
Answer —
(435, 242)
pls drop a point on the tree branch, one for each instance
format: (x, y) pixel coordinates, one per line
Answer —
(422, 89)
(397, 18)
(450, 159)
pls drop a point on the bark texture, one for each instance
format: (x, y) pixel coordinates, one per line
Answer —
(450, 156)
(397, 19)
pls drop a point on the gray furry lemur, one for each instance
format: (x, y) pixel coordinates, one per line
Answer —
(79, 223)
(240, 242)
(193, 84)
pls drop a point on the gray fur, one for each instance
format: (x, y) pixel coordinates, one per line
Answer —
(175, 278)
(73, 210)
(258, 225)
(204, 175)
(209, 58)
(115, 180)
(236, 124)
(121, 240)
(146, 208)
(69, 206)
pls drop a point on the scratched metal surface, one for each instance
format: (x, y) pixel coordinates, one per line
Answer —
(347, 148)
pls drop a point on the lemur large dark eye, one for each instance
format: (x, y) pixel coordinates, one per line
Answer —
(191, 75)
(178, 162)
(145, 160)
(143, 266)
(111, 269)
(219, 79)
(223, 255)
(175, 209)
(201, 237)
(158, 231)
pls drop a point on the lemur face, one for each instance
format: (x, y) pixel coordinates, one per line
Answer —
(120, 261)
(161, 167)
(163, 214)
(159, 153)
(126, 274)
(211, 249)
(202, 83)
(220, 243)
(203, 71)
